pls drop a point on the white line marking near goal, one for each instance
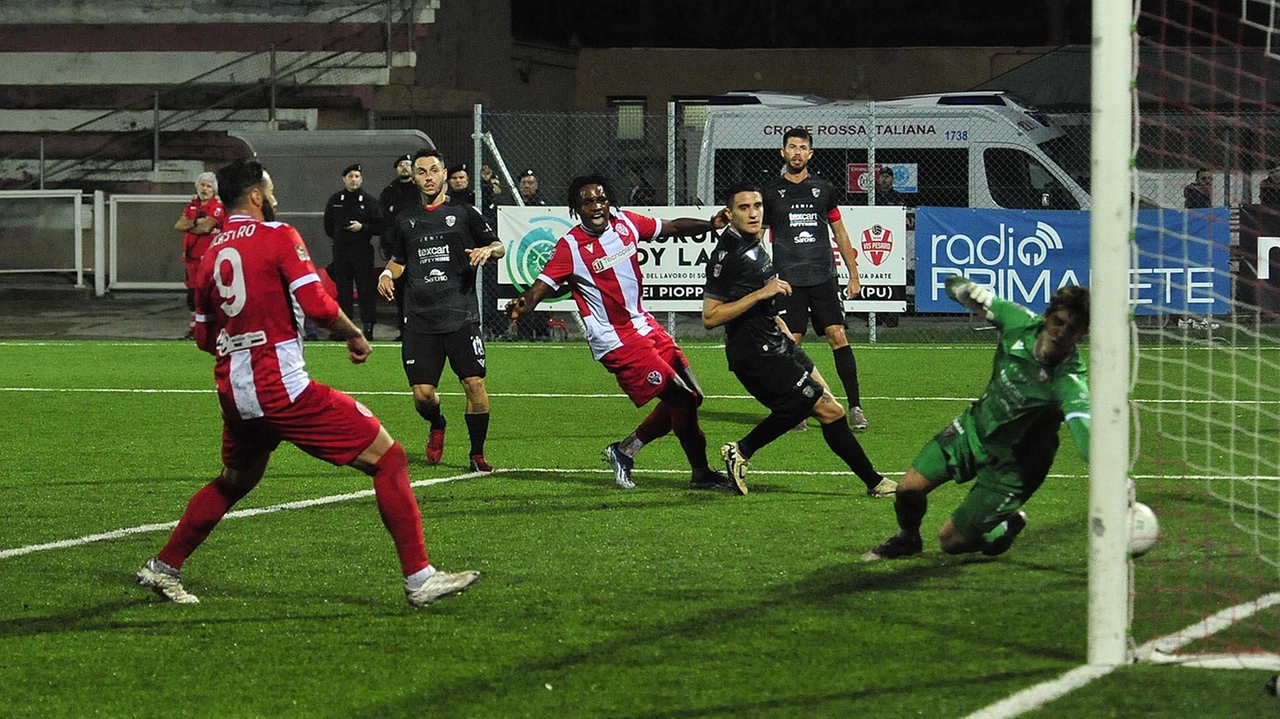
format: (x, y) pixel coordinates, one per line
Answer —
(1041, 694)
(1157, 651)
(143, 529)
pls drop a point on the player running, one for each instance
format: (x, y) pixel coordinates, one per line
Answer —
(1007, 439)
(598, 261)
(741, 294)
(257, 283)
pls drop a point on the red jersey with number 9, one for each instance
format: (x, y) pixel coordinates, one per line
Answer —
(256, 284)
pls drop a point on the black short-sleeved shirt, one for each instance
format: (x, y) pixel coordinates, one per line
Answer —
(441, 283)
(797, 214)
(738, 267)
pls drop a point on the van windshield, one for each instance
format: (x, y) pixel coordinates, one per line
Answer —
(1067, 154)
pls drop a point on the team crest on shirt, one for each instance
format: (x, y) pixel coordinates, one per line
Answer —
(450, 220)
(302, 253)
(715, 271)
(622, 230)
(1044, 375)
(816, 192)
(655, 378)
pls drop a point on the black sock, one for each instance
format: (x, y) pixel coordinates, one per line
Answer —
(847, 369)
(841, 441)
(769, 429)
(910, 508)
(478, 430)
(431, 413)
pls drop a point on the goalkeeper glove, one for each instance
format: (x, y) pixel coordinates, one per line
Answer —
(970, 294)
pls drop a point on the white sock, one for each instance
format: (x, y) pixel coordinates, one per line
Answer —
(418, 578)
(630, 445)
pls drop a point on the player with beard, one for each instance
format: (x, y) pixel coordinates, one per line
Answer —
(400, 193)
(741, 293)
(598, 260)
(439, 246)
(256, 285)
(1006, 440)
(800, 209)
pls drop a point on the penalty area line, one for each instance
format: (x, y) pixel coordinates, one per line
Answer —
(165, 526)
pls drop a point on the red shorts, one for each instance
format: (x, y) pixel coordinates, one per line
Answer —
(322, 422)
(644, 366)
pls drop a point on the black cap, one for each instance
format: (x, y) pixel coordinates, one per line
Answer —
(529, 173)
(400, 159)
(459, 168)
(355, 166)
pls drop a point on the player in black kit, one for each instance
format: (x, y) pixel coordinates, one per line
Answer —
(798, 208)
(740, 294)
(438, 245)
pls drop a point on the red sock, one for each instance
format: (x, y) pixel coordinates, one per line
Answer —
(203, 512)
(684, 422)
(399, 509)
(657, 424)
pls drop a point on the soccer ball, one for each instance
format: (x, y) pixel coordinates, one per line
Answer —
(1143, 529)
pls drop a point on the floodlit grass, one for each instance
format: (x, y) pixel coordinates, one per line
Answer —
(659, 602)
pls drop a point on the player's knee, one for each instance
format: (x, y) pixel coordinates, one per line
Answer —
(425, 396)
(472, 384)
(828, 411)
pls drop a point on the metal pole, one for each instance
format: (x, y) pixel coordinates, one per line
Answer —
(477, 152)
(42, 163)
(388, 35)
(155, 134)
(671, 153)
(99, 243)
(272, 99)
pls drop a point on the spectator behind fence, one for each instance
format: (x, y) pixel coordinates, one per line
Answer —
(492, 194)
(460, 185)
(200, 220)
(1269, 188)
(529, 189)
(351, 218)
(1199, 193)
(401, 193)
(886, 194)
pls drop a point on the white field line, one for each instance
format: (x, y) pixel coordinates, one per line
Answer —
(1157, 651)
(335, 498)
(144, 528)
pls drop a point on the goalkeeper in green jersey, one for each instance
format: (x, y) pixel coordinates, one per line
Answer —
(1006, 440)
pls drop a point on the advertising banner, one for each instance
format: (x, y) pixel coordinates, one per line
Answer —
(1258, 284)
(675, 267)
(1025, 255)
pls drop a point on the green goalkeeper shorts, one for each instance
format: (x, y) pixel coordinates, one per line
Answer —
(1003, 484)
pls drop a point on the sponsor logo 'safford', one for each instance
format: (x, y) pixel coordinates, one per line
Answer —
(877, 243)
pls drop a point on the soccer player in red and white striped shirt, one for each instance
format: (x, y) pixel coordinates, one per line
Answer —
(598, 261)
(256, 284)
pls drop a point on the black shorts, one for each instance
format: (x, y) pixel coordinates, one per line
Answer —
(423, 355)
(822, 303)
(783, 382)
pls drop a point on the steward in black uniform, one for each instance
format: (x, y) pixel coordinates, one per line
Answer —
(351, 218)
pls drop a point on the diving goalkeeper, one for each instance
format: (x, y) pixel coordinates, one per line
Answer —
(1007, 439)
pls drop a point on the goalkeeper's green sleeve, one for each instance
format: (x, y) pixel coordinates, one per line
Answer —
(1079, 427)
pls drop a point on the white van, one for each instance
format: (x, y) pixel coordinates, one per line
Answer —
(970, 149)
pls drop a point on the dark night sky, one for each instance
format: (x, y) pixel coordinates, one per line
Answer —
(842, 23)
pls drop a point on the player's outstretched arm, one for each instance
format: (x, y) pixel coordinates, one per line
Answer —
(691, 226)
(1078, 425)
(971, 294)
(527, 300)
